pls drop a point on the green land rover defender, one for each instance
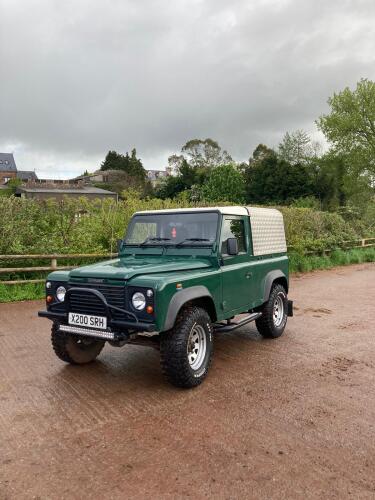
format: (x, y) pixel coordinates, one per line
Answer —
(180, 277)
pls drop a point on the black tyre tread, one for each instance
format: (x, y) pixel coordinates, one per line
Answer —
(59, 341)
(264, 324)
(173, 348)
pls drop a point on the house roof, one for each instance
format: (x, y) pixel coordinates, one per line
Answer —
(27, 175)
(80, 190)
(7, 163)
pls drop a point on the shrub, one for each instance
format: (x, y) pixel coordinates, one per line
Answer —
(75, 226)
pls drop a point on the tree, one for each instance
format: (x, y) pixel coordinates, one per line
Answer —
(129, 164)
(225, 183)
(350, 125)
(296, 147)
(187, 176)
(272, 180)
(336, 185)
(170, 187)
(175, 163)
(113, 161)
(205, 153)
(261, 152)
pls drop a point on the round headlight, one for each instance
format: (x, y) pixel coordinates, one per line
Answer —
(60, 293)
(139, 301)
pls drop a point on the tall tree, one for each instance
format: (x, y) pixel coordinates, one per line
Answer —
(296, 147)
(205, 153)
(350, 125)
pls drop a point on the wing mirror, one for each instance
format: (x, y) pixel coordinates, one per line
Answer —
(232, 246)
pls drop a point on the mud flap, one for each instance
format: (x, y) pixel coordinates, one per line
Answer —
(290, 307)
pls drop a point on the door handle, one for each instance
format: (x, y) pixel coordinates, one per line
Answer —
(248, 275)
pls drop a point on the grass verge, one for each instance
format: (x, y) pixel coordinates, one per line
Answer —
(27, 291)
(306, 263)
(298, 263)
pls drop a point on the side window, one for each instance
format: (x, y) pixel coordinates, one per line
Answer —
(233, 228)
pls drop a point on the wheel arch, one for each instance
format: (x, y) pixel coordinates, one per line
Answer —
(195, 295)
(271, 278)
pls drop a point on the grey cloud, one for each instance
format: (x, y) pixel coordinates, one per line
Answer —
(79, 78)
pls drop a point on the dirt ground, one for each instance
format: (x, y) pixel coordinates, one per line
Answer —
(286, 418)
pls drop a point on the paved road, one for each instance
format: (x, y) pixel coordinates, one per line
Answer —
(287, 418)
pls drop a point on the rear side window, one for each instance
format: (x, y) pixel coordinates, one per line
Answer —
(233, 228)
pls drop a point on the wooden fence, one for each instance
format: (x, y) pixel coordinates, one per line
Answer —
(53, 258)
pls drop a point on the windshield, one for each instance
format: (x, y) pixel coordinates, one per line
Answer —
(177, 229)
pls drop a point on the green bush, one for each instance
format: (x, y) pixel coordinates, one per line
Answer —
(82, 226)
(76, 226)
(309, 230)
(305, 263)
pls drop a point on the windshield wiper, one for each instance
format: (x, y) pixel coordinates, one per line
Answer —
(190, 239)
(152, 238)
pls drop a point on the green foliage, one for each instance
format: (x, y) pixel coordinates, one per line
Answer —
(82, 226)
(26, 291)
(187, 177)
(205, 153)
(225, 183)
(350, 126)
(306, 202)
(129, 164)
(310, 230)
(11, 187)
(75, 226)
(303, 263)
(296, 147)
(69, 226)
(271, 180)
(13, 184)
(192, 168)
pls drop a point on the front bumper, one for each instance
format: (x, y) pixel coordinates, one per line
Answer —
(114, 324)
(116, 330)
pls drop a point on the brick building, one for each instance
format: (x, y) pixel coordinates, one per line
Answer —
(8, 169)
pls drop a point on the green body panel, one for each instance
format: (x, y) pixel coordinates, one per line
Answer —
(235, 283)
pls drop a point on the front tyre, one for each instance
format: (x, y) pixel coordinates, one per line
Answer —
(274, 314)
(186, 350)
(74, 349)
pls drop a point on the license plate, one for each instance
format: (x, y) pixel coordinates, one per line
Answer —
(88, 321)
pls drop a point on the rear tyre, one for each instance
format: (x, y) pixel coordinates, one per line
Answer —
(274, 314)
(74, 349)
(186, 350)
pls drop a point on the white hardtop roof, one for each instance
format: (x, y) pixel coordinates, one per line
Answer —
(232, 210)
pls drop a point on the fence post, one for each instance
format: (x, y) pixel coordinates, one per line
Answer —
(54, 263)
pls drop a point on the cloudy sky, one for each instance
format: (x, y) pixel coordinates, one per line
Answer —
(80, 77)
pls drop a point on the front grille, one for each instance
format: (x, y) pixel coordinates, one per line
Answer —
(85, 302)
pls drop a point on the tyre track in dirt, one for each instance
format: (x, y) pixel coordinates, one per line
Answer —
(275, 419)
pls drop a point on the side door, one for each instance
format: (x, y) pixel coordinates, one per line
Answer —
(237, 269)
